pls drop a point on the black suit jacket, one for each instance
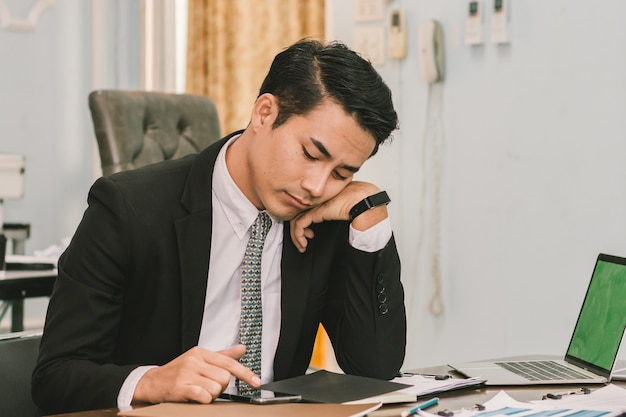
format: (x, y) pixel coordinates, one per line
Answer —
(132, 284)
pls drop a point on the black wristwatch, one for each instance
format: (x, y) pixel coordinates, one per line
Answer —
(370, 202)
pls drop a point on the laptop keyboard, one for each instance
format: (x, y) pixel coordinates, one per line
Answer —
(542, 370)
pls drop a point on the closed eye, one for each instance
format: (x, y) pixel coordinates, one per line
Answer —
(307, 155)
(339, 176)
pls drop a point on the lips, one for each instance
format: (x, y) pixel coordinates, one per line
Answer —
(298, 203)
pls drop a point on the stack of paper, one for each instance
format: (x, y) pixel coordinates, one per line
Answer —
(422, 385)
(609, 401)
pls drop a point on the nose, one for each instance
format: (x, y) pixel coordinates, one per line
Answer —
(315, 183)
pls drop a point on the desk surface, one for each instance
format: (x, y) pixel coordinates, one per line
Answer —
(25, 274)
(24, 284)
(450, 401)
(468, 398)
(15, 286)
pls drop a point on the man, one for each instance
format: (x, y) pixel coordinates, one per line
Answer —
(147, 304)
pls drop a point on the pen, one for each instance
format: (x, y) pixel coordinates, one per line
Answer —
(422, 406)
(441, 377)
(560, 395)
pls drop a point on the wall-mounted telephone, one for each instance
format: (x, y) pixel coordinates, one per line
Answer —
(430, 44)
(430, 48)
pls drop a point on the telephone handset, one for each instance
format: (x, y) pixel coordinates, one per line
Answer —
(397, 35)
(430, 43)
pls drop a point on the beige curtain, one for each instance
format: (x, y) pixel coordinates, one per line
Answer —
(231, 44)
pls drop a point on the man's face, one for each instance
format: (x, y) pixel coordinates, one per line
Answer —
(306, 161)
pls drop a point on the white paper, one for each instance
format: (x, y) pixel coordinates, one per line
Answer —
(422, 385)
(609, 401)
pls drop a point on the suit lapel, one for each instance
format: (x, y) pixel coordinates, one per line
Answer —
(194, 242)
(296, 270)
(194, 246)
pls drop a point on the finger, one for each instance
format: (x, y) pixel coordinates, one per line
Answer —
(297, 237)
(234, 352)
(234, 367)
(301, 244)
(203, 392)
(300, 232)
(244, 374)
(304, 240)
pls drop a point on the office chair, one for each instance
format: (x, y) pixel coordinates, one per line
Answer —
(18, 355)
(137, 128)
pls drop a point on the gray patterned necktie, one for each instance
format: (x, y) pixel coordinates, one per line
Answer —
(251, 312)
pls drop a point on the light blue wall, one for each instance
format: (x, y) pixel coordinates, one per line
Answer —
(534, 173)
(45, 78)
(533, 156)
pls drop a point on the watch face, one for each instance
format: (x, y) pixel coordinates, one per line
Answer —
(379, 199)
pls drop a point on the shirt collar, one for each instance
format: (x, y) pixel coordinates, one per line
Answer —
(239, 211)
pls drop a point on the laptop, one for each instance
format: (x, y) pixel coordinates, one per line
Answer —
(593, 348)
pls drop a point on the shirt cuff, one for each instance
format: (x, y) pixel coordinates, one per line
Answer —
(373, 239)
(125, 397)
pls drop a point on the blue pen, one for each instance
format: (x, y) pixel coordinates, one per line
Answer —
(422, 406)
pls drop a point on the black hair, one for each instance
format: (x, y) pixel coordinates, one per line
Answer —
(309, 72)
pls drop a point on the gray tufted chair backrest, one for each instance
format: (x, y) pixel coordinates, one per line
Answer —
(137, 128)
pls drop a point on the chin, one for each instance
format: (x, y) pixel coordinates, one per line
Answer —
(284, 214)
(285, 217)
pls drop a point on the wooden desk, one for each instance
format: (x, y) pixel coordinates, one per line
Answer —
(109, 412)
(468, 398)
(451, 401)
(15, 286)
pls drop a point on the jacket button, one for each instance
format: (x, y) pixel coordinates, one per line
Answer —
(383, 309)
(380, 278)
(382, 298)
(380, 288)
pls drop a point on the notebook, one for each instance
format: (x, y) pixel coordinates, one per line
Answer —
(331, 387)
(593, 347)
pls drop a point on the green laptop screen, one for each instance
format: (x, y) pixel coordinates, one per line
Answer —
(602, 319)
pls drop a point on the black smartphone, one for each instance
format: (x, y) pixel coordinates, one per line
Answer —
(261, 397)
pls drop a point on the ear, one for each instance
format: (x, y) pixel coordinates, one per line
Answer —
(264, 111)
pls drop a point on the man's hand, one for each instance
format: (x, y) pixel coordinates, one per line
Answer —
(197, 375)
(337, 208)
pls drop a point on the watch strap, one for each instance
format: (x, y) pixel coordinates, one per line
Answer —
(370, 202)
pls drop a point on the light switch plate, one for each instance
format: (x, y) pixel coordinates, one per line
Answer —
(368, 10)
(500, 22)
(474, 22)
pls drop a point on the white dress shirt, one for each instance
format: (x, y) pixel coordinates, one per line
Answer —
(233, 214)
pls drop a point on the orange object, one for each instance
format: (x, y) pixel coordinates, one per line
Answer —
(319, 358)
